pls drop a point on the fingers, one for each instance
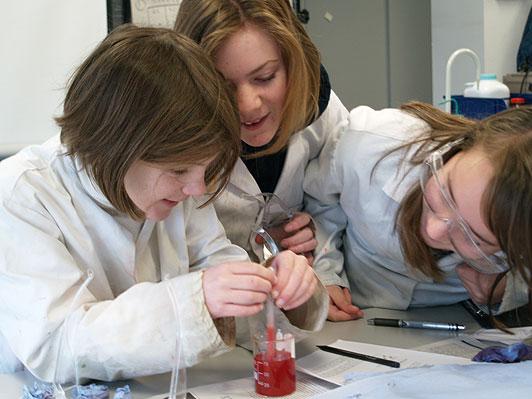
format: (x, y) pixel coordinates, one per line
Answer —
(235, 310)
(348, 307)
(296, 281)
(250, 268)
(300, 242)
(301, 237)
(309, 257)
(340, 307)
(298, 221)
(236, 289)
(306, 290)
(336, 314)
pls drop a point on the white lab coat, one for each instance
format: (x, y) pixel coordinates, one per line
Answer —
(55, 225)
(357, 211)
(236, 208)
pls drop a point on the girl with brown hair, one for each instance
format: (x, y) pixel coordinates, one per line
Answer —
(424, 208)
(148, 123)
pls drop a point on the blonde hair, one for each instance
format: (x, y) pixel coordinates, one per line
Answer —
(153, 95)
(211, 22)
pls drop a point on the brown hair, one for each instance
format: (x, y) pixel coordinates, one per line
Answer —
(507, 210)
(148, 94)
(211, 22)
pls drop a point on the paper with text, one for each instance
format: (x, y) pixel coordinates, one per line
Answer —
(333, 368)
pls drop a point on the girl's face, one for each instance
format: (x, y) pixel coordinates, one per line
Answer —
(251, 61)
(466, 176)
(155, 190)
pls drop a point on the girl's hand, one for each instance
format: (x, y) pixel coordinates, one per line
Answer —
(237, 288)
(300, 236)
(340, 306)
(296, 281)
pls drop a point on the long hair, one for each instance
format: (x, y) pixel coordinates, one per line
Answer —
(211, 22)
(506, 204)
(149, 94)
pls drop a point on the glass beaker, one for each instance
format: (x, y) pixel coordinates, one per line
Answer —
(274, 364)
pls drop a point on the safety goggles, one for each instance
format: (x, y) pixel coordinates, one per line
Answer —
(438, 200)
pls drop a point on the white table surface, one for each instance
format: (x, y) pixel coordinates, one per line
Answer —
(238, 363)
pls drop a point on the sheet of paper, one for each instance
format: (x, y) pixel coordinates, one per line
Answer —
(306, 387)
(477, 380)
(520, 334)
(334, 368)
(453, 347)
(159, 13)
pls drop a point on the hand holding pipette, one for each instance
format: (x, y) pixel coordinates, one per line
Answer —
(295, 280)
(241, 288)
(237, 289)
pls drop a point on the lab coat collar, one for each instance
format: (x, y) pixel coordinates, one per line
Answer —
(242, 179)
(91, 187)
(399, 183)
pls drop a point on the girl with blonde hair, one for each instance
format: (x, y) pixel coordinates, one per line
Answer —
(287, 109)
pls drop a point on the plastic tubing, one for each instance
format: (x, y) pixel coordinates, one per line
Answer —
(178, 380)
(59, 393)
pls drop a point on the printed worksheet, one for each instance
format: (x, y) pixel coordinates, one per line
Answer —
(337, 368)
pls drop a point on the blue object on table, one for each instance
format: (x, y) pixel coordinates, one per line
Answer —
(92, 391)
(476, 108)
(511, 354)
(39, 391)
(123, 393)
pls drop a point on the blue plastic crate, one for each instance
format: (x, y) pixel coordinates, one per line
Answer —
(476, 108)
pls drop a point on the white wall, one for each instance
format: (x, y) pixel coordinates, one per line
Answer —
(377, 52)
(41, 43)
(455, 24)
(491, 28)
(504, 24)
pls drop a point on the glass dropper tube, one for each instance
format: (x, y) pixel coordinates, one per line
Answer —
(178, 380)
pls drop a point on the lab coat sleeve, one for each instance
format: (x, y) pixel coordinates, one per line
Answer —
(112, 338)
(323, 187)
(207, 242)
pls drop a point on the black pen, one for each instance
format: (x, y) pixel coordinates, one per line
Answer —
(360, 356)
(479, 315)
(415, 324)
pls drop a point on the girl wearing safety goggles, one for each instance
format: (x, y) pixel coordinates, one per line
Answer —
(424, 208)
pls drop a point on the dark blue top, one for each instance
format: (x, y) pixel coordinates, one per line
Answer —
(266, 170)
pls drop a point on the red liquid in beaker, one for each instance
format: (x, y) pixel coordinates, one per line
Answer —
(276, 376)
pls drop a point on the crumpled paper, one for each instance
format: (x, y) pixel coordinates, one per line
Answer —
(123, 393)
(510, 354)
(92, 391)
(38, 391)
